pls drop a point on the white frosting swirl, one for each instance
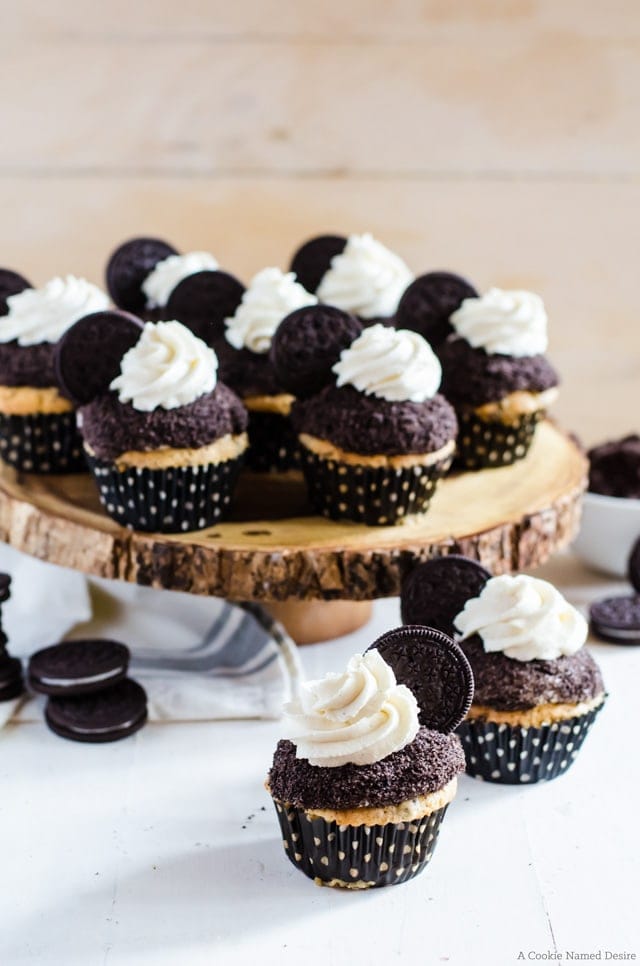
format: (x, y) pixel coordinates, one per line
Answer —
(394, 364)
(44, 314)
(510, 323)
(358, 717)
(525, 618)
(271, 296)
(366, 279)
(165, 276)
(167, 367)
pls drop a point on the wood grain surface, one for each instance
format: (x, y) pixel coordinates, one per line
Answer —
(512, 518)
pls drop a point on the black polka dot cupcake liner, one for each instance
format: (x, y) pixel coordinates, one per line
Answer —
(273, 445)
(522, 756)
(42, 443)
(358, 856)
(173, 500)
(377, 496)
(483, 444)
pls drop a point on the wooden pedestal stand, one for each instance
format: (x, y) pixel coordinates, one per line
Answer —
(275, 552)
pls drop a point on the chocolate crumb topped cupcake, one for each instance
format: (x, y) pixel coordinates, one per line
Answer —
(37, 423)
(614, 468)
(356, 274)
(163, 437)
(537, 688)
(247, 367)
(495, 374)
(360, 786)
(375, 445)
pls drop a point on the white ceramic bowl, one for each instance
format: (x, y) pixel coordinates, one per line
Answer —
(610, 527)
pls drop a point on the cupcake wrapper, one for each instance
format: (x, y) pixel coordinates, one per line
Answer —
(482, 444)
(172, 500)
(358, 856)
(273, 445)
(377, 496)
(521, 756)
(42, 443)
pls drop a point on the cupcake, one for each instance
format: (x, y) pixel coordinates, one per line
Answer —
(363, 781)
(375, 443)
(356, 274)
(246, 366)
(537, 688)
(163, 437)
(150, 278)
(37, 423)
(495, 374)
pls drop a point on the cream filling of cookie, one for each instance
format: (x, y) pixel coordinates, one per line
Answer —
(542, 714)
(220, 451)
(327, 451)
(279, 404)
(516, 404)
(411, 810)
(31, 400)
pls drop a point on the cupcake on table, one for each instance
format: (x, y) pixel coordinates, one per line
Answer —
(37, 422)
(163, 437)
(363, 781)
(357, 274)
(247, 367)
(537, 688)
(377, 439)
(496, 375)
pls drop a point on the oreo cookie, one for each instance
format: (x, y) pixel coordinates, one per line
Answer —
(617, 619)
(435, 592)
(5, 587)
(11, 681)
(435, 669)
(89, 354)
(428, 302)
(308, 343)
(10, 284)
(129, 266)
(313, 259)
(78, 667)
(203, 301)
(107, 715)
(633, 567)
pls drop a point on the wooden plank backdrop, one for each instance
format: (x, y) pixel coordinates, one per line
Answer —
(499, 138)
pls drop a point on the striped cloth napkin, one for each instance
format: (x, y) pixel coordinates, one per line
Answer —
(198, 658)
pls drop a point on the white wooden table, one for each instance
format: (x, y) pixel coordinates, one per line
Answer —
(164, 848)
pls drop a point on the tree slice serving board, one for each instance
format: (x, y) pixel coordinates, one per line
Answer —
(273, 549)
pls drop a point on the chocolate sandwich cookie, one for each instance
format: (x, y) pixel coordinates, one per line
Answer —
(203, 301)
(11, 681)
(313, 259)
(129, 266)
(10, 284)
(435, 592)
(617, 619)
(308, 343)
(428, 302)
(435, 669)
(108, 715)
(78, 667)
(88, 357)
(633, 566)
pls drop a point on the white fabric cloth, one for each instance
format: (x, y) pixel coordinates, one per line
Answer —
(198, 658)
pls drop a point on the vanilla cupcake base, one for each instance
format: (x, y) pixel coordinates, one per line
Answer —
(526, 746)
(38, 432)
(500, 433)
(170, 490)
(364, 848)
(378, 490)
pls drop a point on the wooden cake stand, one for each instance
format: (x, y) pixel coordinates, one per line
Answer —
(275, 551)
